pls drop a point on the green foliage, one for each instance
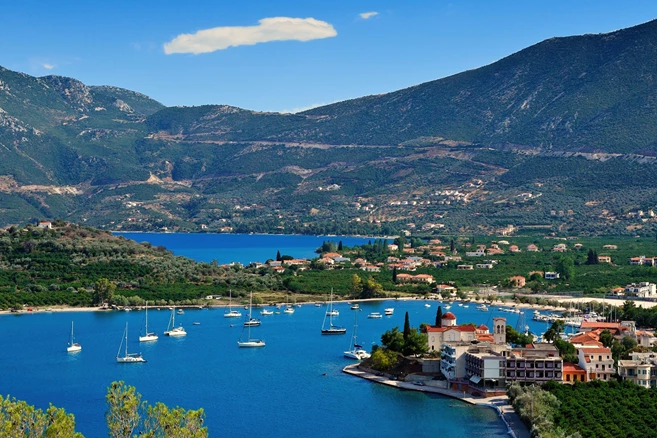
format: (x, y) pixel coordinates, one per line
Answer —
(18, 419)
(439, 316)
(605, 409)
(127, 414)
(383, 359)
(393, 340)
(516, 338)
(535, 407)
(606, 338)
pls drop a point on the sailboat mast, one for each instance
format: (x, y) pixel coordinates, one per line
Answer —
(126, 339)
(146, 319)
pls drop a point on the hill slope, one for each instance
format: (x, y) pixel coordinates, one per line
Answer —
(535, 140)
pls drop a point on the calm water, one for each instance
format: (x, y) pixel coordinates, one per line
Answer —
(279, 390)
(243, 248)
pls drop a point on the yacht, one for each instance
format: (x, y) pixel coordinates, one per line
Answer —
(251, 321)
(331, 329)
(172, 330)
(356, 351)
(249, 342)
(375, 315)
(355, 307)
(127, 357)
(389, 311)
(148, 337)
(231, 313)
(265, 312)
(73, 346)
(427, 305)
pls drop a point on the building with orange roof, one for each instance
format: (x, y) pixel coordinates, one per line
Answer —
(517, 281)
(573, 373)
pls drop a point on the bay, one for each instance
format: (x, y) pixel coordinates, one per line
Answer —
(242, 248)
(292, 387)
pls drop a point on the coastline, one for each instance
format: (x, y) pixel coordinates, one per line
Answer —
(515, 427)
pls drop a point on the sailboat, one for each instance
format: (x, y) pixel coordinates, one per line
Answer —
(127, 357)
(147, 336)
(331, 311)
(172, 330)
(289, 308)
(356, 351)
(331, 329)
(249, 343)
(73, 346)
(251, 322)
(231, 313)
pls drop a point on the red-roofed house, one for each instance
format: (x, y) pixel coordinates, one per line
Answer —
(573, 373)
(517, 281)
(597, 362)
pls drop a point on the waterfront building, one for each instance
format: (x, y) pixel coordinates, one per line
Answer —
(536, 363)
(640, 369)
(597, 362)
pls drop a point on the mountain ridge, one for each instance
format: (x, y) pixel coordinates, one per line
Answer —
(541, 131)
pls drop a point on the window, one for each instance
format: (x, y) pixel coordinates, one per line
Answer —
(567, 377)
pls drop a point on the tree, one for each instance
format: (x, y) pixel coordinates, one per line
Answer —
(439, 316)
(516, 338)
(356, 285)
(565, 267)
(407, 327)
(371, 289)
(452, 246)
(123, 407)
(393, 340)
(128, 414)
(394, 274)
(415, 343)
(340, 245)
(278, 256)
(606, 338)
(592, 257)
(103, 291)
(554, 331)
(383, 359)
(18, 419)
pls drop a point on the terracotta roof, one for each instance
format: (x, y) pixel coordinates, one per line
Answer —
(460, 328)
(449, 315)
(485, 338)
(603, 325)
(596, 351)
(483, 327)
(573, 368)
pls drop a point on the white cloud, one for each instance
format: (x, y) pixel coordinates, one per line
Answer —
(48, 66)
(366, 15)
(268, 29)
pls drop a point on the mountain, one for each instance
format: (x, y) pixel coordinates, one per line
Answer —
(559, 136)
(582, 93)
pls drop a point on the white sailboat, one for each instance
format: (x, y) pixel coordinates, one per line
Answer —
(172, 330)
(289, 309)
(73, 346)
(249, 343)
(265, 312)
(127, 357)
(356, 351)
(331, 329)
(231, 313)
(148, 337)
(251, 322)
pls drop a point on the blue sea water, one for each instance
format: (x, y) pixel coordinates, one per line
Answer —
(242, 248)
(292, 387)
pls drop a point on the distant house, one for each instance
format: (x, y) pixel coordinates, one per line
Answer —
(560, 247)
(393, 247)
(517, 281)
(551, 275)
(332, 255)
(341, 259)
(372, 268)
(464, 267)
(604, 259)
(610, 246)
(532, 248)
(275, 263)
(514, 248)
(45, 224)
(278, 269)
(484, 266)
(477, 253)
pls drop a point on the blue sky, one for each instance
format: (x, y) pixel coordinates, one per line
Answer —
(343, 56)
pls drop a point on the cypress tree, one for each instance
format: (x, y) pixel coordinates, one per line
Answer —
(394, 274)
(407, 327)
(340, 245)
(452, 247)
(278, 256)
(439, 316)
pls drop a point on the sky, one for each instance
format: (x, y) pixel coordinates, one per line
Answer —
(285, 55)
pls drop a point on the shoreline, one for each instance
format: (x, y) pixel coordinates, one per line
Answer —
(515, 427)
